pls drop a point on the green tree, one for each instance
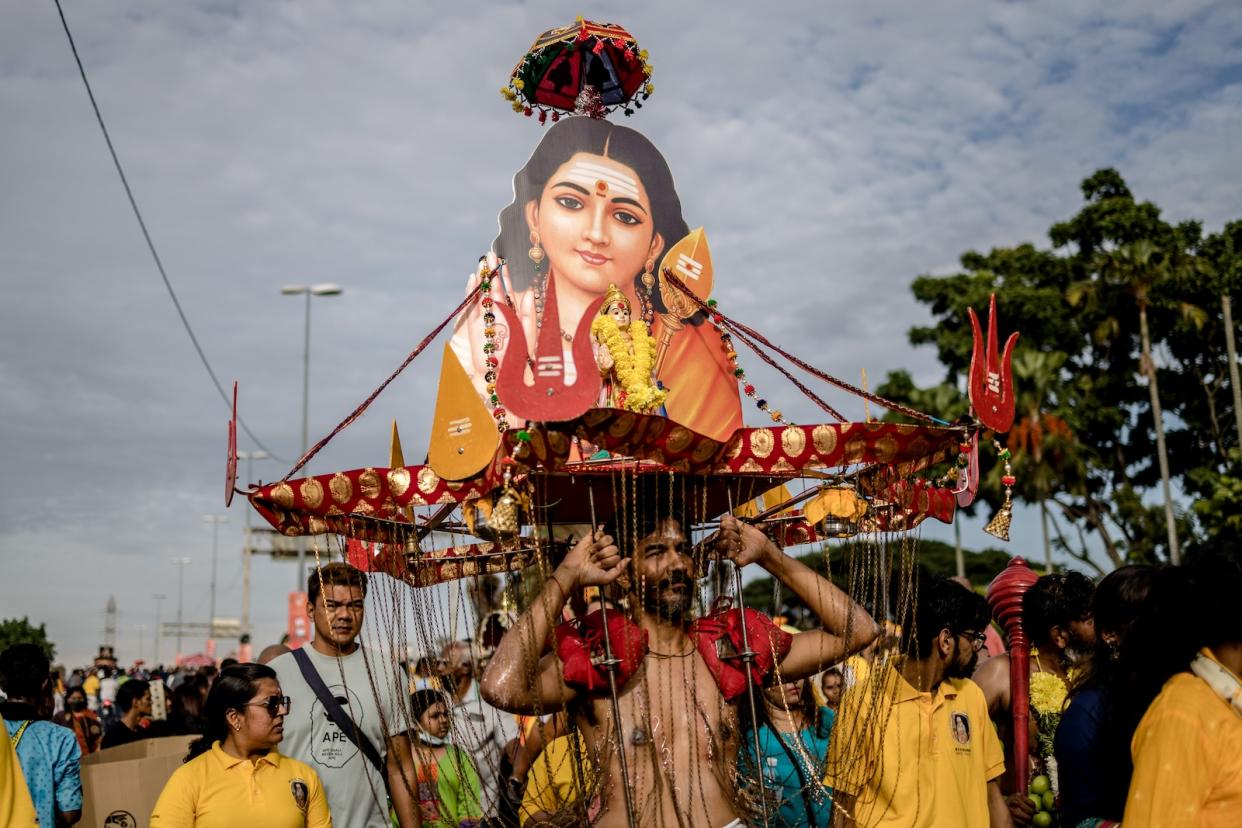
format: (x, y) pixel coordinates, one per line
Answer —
(1123, 313)
(21, 631)
(840, 562)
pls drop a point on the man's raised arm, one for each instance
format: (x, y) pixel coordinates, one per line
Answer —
(507, 683)
(847, 627)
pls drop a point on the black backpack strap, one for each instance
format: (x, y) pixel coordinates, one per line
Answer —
(334, 711)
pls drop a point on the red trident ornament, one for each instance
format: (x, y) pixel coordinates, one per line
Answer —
(991, 381)
(549, 399)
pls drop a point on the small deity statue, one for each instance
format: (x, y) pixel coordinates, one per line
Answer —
(625, 353)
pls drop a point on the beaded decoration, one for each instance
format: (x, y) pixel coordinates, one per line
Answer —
(748, 388)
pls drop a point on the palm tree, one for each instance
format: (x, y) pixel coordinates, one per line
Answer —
(1136, 268)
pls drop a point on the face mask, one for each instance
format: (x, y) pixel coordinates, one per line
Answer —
(427, 739)
(77, 704)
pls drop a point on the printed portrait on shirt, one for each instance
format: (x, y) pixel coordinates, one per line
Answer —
(960, 724)
(330, 746)
(301, 795)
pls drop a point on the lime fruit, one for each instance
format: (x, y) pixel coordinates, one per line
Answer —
(1040, 785)
(1042, 819)
(1050, 800)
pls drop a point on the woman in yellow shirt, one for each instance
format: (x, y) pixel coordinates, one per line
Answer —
(234, 775)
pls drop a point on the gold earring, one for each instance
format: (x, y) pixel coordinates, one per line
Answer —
(536, 252)
(648, 277)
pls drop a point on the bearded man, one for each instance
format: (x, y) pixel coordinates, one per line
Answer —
(913, 744)
(680, 679)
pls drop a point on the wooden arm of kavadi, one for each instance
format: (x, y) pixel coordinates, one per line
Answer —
(1005, 597)
(370, 504)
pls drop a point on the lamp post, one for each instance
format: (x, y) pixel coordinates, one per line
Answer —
(215, 521)
(309, 291)
(158, 597)
(180, 562)
(249, 457)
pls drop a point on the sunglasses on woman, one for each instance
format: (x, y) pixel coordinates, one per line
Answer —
(272, 704)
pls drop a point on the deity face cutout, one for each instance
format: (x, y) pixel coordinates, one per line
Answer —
(594, 223)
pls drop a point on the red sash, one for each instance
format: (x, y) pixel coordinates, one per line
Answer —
(769, 642)
(580, 645)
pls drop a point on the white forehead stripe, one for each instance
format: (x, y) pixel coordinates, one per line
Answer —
(586, 174)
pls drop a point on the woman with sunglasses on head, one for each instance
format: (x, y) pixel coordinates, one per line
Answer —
(233, 774)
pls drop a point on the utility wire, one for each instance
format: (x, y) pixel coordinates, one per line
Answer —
(133, 203)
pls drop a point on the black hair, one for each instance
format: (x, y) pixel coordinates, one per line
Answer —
(1115, 606)
(942, 604)
(1164, 637)
(334, 574)
(77, 688)
(234, 688)
(1217, 575)
(130, 692)
(1054, 601)
(560, 143)
(24, 671)
(423, 700)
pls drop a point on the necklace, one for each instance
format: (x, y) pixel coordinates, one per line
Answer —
(672, 655)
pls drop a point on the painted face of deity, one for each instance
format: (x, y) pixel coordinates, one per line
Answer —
(620, 314)
(594, 222)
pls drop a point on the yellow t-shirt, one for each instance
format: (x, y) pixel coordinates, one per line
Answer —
(216, 790)
(1187, 759)
(915, 760)
(16, 808)
(552, 783)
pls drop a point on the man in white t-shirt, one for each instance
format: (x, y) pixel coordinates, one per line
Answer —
(371, 691)
(487, 734)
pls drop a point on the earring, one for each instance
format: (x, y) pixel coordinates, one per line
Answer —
(536, 252)
(648, 277)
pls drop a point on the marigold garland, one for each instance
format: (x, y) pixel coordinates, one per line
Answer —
(633, 370)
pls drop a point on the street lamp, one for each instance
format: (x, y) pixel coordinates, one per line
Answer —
(309, 291)
(180, 562)
(249, 457)
(215, 521)
(158, 597)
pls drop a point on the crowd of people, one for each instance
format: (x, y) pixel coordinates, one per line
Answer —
(1135, 708)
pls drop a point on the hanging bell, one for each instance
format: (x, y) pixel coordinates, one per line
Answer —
(506, 517)
(998, 526)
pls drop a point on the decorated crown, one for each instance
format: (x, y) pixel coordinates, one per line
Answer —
(613, 296)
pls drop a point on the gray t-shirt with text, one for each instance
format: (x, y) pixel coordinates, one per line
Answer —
(371, 691)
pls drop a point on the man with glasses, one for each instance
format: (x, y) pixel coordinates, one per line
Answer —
(914, 745)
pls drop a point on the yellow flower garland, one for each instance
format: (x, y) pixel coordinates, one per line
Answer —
(1047, 693)
(633, 370)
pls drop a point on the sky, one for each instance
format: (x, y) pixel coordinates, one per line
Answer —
(833, 151)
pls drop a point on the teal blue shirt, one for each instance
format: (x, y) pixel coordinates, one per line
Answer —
(49, 756)
(802, 794)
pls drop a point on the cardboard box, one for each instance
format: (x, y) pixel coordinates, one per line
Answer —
(120, 784)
